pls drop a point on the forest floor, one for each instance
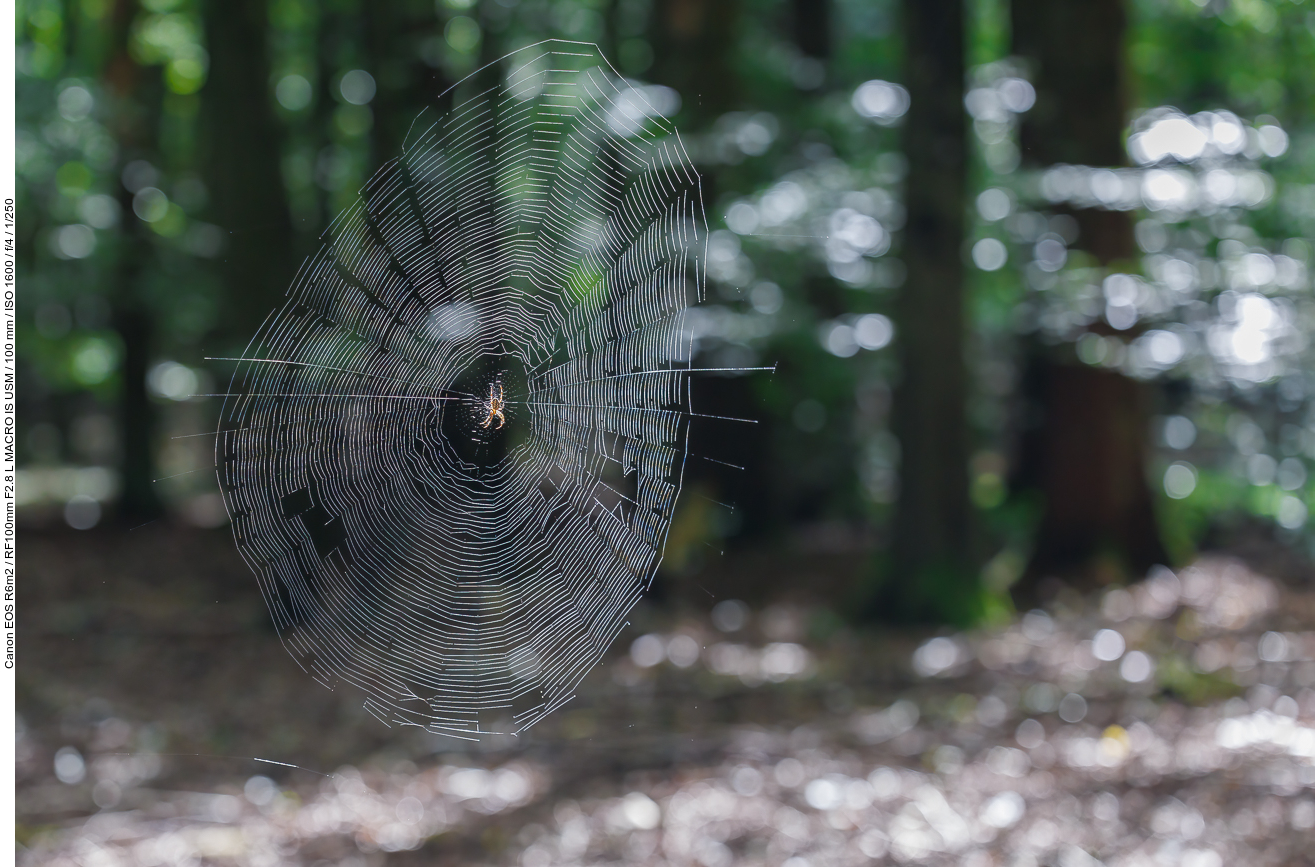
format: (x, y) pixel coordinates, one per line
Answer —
(1169, 723)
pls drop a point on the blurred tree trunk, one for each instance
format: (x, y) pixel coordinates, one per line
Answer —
(1075, 50)
(693, 41)
(930, 575)
(133, 318)
(406, 84)
(243, 163)
(136, 328)
(1086, 453)
(812, 27)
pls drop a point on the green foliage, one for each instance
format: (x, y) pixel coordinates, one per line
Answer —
(932, 594)
(1179, 678)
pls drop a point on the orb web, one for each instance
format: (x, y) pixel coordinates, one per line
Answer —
(451, 457)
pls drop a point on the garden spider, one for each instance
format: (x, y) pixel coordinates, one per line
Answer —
(496, 404)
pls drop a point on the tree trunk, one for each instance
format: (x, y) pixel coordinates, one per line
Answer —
(1089, 458)
(133, 318)
(136, 327)
(243, 173)
(406, 84)
(693, 43)
(1086, 453)
(930, 575)
(812, 27)
(1075, 50)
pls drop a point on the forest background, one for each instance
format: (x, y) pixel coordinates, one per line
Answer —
(1035, 278)
(1034, 275)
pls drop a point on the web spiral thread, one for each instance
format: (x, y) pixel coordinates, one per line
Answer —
(451, 458)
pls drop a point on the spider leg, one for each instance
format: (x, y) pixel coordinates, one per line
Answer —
(502, 419)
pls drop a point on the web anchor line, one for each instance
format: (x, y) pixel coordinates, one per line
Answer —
(343, 396)
(326, 367)
(355, 416)
(636, 409)
(231, 758)
(641, 444)
(728, 507)
(715, 461)
(665, 370)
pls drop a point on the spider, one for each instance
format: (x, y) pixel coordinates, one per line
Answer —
(496, 404)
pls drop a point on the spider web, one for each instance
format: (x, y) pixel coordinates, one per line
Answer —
(465, 562)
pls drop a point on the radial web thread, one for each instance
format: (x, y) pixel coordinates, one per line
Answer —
(533, 246)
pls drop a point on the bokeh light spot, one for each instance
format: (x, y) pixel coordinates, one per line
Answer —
(990, 254)
(1179, 480)
(357, 87)
(293, 92)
